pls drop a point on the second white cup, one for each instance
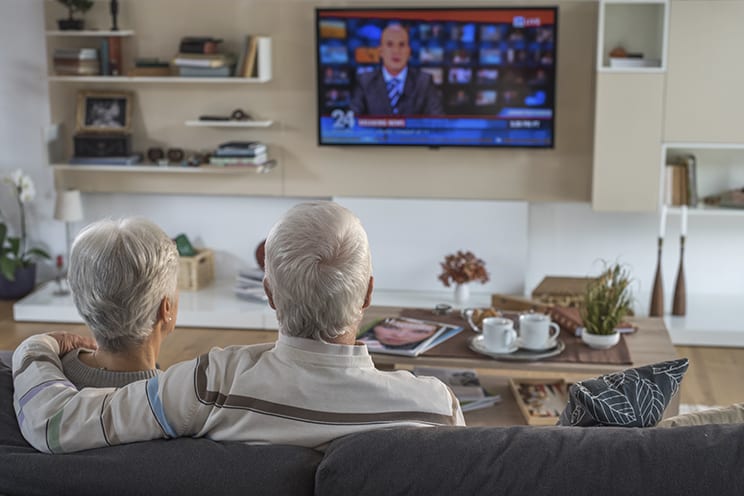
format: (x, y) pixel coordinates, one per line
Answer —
(537, 332)
(499, 335)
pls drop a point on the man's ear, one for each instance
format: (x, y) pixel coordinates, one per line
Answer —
(368, 297)
(166, 309)
(267, 290)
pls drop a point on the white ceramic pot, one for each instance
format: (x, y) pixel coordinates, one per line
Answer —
(600, 341)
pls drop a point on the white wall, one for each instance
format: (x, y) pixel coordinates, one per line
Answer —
(520, 243)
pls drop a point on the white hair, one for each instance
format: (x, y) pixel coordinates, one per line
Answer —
(318, 268)
(120, 271)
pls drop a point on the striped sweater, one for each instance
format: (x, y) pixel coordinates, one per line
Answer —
(295, 391)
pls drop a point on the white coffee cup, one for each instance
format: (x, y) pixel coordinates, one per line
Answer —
(499, 335)
(537, 332)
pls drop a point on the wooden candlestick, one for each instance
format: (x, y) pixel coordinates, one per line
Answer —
(679, 303)
(656, 309)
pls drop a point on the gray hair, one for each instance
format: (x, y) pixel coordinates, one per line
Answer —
(318, 267)
(120, 270)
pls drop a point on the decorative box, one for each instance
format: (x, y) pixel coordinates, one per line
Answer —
(541, 401)
(102, 145)
(196, 272)
(563, 291)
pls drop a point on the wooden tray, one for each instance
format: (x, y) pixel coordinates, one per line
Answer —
(541, 401)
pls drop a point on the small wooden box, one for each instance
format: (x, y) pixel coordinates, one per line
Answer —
(196, 272)
(562, 291)
(541, 401)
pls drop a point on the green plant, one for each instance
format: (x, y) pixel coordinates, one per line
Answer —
(73, 6)
(463, 267)
(607, 300)
(13, 252)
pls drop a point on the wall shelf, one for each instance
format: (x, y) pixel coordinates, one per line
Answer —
(90, 33)
(235, 124)
(170, 169)
(162, 79)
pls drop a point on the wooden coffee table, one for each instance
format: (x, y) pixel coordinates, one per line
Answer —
(650, 344)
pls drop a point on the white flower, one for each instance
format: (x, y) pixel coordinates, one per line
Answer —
(26, 189)
(15, 178)
(28, 193)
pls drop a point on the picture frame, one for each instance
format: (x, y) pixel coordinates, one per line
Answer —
(104, 112)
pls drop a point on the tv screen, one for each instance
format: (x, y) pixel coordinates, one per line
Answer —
(436, 77)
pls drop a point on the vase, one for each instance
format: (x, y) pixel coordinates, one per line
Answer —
(25, 279)
(600, 341)
(462, 294)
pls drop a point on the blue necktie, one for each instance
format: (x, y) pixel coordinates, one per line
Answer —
(393, 90)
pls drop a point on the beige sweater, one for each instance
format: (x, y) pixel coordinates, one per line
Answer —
(295, 391)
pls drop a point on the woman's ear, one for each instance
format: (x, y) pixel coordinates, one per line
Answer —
(166, 310)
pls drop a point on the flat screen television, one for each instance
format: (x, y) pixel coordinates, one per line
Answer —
(476, 77)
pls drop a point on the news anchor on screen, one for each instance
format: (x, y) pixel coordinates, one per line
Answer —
(395, 88)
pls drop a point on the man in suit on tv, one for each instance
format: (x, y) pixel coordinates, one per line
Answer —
(395, 88)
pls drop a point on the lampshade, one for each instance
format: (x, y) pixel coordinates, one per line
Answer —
(68, 207)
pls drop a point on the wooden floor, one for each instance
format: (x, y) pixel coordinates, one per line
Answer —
(715, 375)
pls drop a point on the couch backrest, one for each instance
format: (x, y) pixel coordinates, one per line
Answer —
(179, 466)
(525, 460)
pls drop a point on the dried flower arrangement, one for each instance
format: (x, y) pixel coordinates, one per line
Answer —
(463, 267)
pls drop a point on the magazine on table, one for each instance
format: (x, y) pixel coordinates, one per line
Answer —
(405, 336)
(465, 384)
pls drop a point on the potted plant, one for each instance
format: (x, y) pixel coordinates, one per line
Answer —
(462, 268)
(17, 267)
(73, 6)
(607, 301)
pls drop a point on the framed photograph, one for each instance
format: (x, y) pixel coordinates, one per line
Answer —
(104, 111)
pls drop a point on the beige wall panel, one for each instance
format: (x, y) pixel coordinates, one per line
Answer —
(705, 74)
(627, 147)
(560, 174)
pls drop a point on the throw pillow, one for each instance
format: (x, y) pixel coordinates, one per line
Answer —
(631, 398)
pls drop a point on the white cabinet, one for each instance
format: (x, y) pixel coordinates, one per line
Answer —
(627, 142)
(629, 105)
(705, 89)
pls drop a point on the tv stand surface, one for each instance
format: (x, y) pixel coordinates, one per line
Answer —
(217, 307)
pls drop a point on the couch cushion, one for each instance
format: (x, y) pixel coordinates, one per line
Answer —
(732, 414)
(179, 466)
(631, 398)
(524, 460)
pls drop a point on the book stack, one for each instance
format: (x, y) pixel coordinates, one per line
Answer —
(239, 154)
(249, 285)
(199, 57)
(150, 67)
(76, 62)
(465, 384)
(680, 180)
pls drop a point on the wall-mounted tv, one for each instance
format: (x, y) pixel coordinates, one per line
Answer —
(478, 77)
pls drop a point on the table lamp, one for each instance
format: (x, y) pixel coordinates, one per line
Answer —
(68, 208)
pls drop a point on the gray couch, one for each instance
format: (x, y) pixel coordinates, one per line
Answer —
(435, 461)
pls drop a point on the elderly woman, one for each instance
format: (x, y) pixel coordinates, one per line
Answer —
(123, 276)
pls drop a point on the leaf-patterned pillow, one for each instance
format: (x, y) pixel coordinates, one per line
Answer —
(631, 398)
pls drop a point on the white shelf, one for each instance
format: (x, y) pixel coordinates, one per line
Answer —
(169, 169)
(633, 70)
(638, 26)
(238, 124)
(706, 210)
(711, 320)
(160, 79)
(89, 33)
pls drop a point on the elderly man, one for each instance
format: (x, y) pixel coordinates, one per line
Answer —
(313, 385)
(396, 88)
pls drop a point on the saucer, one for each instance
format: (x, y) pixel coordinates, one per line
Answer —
(551, 344)
(520, 355)
(479, 344)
